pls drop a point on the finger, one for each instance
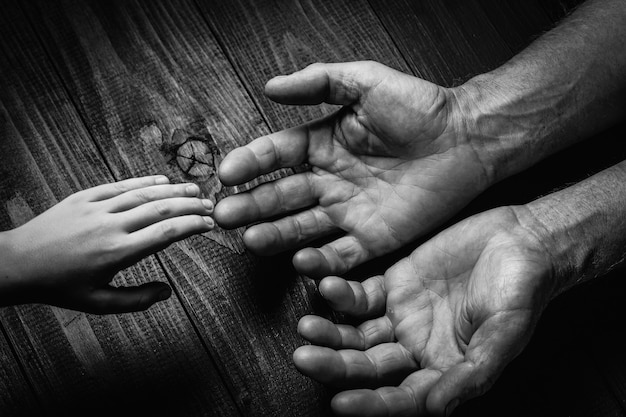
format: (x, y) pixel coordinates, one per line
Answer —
(408, 399)
(102, 192)
(110, 300)
(334, 258)
(359, 299)
(340, 83)
(270, 199)
(322, 332)
(139, 196)
(284, 149)
(288, 232)
(382, 364)
(156, 211)
(159, 235)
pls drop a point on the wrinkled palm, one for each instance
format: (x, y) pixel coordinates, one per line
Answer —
(391, 165)
(439, 326)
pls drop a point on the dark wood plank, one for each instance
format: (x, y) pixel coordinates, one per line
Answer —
(558, 9)
(17, 398)
(269, 38)
(444, 42)
(150, 362)
(147, 76)
(517, 22)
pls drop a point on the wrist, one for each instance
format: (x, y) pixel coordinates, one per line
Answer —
(512, 123)
(581, 227)
(13, 284)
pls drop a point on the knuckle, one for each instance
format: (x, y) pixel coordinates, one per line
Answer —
(76, 197)
(162, 209)
(197, 222)
(168, 230)
(120, 186)
(143, 196)
(280, 196)
(315, 65)
(111, 253)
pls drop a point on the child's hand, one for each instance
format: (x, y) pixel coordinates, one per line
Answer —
(68, 255)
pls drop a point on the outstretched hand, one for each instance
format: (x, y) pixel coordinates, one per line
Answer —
(391, 165)
(68, 255)
(438, 327)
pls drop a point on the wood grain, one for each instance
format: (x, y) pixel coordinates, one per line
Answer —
(150, 362)
(17, 397)
(148, 77)
(445, 42)
(518, 23)
(269, 38)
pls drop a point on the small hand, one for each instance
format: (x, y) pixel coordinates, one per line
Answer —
(391, 165)
(68, 255)
(440, 325)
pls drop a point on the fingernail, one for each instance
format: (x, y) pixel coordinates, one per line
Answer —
(209, 221)
(164, 294)
(208, 204)
(162, 180)
(451, 406)
(192, 189)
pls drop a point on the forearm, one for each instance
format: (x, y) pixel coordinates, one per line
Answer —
(582, 227)
(566, 86)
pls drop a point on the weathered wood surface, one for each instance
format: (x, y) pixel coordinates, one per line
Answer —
(444, 42)
(146, 78)
(17, 397)
(93, 91)
(268, 38)
(80, 364)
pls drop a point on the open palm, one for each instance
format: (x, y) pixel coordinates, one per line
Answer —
(391, 165)
(440, 325)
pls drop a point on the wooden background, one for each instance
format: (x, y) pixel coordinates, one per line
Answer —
(97, 91)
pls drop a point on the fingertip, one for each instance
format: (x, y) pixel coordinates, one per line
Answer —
(163, 293)
(223, 214)
(311, 262)
(273, 85)
(307, 86)
(209, 222)
(332, 287)
(319, 331)
(305, 325)
(320, 363)
(302, 357)
(259, 240)
(153, 292)
(359, 402)
(238, 166)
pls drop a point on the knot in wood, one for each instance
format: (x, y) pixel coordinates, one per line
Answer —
(195, 154)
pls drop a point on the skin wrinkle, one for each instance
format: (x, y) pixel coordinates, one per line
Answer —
(280, 195)
(374, 364)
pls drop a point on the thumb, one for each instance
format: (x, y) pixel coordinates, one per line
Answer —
(494, 345)
(341, 83)
(110, 300)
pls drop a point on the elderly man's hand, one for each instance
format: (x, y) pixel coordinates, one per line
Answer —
(395, 162)
(440, 325)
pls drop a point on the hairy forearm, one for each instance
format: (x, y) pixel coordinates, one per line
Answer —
(566, 86)
(582, 227)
